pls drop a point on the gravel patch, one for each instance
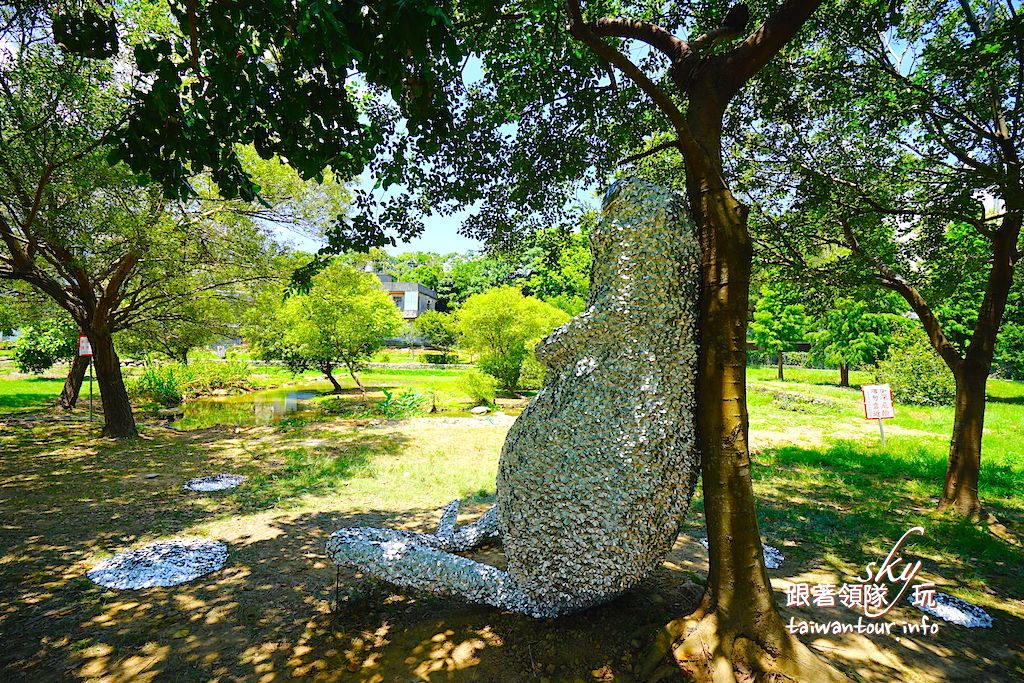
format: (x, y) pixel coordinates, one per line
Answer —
(956, 611)
(217, 482)
(162, 563)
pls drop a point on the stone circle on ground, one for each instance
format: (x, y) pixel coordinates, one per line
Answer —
(162, 563)
(773, 557)
(956, 611)
(217, 482)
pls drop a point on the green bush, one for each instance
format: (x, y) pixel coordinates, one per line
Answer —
(506, 367)
(406, 404)
(168, 384)
(39, 347)
(209, 375)
(159, 384)
(915, 373)
(479, 386)
(531, 375)
(439, 358)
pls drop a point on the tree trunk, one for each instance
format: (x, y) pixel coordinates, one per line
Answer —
(73, 384)
(844, 375)
(737, 625)
(960, 490)
(328, 371)
(118, 420)
(781, 375)
(355, 378)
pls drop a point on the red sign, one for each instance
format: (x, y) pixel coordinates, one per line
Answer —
(84, 347)
(877, 402)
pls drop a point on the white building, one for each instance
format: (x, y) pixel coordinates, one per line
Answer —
(411, 298)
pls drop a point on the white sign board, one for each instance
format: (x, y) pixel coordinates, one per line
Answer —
(84, 347)
(878, 402)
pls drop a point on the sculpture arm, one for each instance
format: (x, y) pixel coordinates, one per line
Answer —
(575, 335)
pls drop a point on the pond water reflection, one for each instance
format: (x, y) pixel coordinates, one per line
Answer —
(263, 407)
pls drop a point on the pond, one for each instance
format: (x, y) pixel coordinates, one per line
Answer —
(263, 407)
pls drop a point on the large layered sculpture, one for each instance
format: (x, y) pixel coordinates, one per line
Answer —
(597, 473)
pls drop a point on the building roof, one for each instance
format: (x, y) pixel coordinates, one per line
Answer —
(408, 287)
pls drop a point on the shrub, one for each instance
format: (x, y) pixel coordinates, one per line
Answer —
(501, 324)
(168, 384)
(439, 358)
(479, 386)
(505, 367)
(406, 404)
(208, 375)
(915, 372)
(159, 384)
(531, 375)
(39, 347)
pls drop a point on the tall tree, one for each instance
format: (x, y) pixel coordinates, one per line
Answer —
(550, 71)
(111, 253)
(907, 135)
(779, 322)
(851, 334)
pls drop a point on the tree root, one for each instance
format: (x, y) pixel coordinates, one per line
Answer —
(707, 651)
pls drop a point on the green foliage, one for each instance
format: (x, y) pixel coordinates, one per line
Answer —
(401, 52)
(851, 334)
(440, 329)
(779, 322)
(161, 384)
(532, 373)
(479, 386)
(342, 320)
(406, 404)
(168, 384)
(558, 264)
(42, 345)
(915, 372)
(502, 325)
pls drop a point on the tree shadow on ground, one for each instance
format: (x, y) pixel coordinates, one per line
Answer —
(270, 614)
(834, 510)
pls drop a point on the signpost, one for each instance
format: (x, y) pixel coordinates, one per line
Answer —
(878, 405)
(85, 350)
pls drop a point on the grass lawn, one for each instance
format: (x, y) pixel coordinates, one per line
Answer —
(829, 497)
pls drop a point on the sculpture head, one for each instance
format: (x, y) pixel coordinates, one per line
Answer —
(643, 246)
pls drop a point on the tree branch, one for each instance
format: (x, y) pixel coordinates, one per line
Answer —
(890, 279)
(581, 31)
(746, 59)
(652, 34)
(653, 150)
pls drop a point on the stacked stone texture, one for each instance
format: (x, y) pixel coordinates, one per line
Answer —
(597, 473)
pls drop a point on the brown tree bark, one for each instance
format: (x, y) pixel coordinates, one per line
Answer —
(963, 469)
(844, 375)
(119, 422)
(781, 373)
(73, 383)
(328, 371)
(737, 625)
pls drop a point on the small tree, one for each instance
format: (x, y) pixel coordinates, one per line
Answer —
(778, 323)
(500, 324)
(850, 334)
(342, 321)
(440, 329)
(40, 346)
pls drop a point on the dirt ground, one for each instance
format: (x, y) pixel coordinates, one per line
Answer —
(275, 611)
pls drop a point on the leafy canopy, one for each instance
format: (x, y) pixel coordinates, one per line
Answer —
(779, 321)
(503, 325)
(343, 320)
